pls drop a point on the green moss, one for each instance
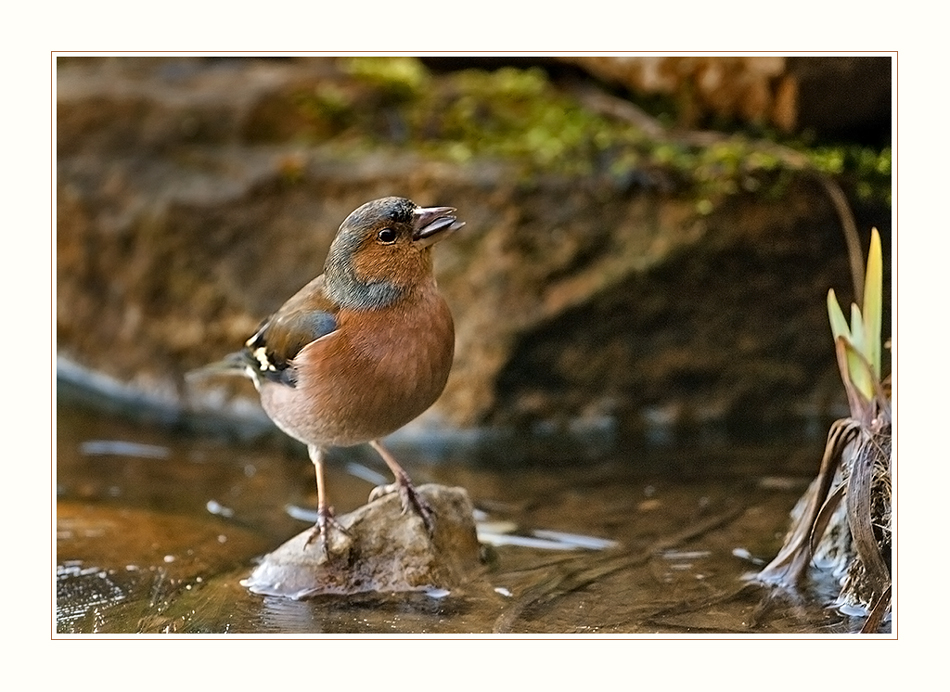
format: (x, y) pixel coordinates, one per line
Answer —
(515, 115)
(399, 77)
(519, 116)
(869, 169)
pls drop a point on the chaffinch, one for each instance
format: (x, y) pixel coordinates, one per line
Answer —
(363, 348)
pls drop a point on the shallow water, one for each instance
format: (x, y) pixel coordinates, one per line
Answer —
(156, 527)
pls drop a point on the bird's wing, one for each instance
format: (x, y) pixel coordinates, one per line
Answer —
(268, 355)
(304, 318)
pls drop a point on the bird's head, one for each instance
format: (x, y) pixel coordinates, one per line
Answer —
(383, 250)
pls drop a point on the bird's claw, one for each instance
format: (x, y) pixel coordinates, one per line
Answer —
(325, 520)
(410, 499)
(382, 491)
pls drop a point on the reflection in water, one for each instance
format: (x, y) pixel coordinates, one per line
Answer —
(499, 533)
(284, 615)
(616, 540)
(83, 591)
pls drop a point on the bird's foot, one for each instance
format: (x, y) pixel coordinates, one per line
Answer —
(410, 498)
(325, 520)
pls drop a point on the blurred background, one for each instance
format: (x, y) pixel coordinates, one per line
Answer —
(648, 246)
(619, 267)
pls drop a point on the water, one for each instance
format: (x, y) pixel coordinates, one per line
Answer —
(157, 526)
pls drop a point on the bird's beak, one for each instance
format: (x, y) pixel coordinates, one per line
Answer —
(431, 224)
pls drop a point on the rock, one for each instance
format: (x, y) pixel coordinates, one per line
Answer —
(383, 551)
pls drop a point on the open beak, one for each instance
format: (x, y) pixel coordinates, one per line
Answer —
(432, 224)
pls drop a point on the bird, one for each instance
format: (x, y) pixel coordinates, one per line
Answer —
(362, 349)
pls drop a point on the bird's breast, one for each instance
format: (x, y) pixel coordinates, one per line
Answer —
(379, 370)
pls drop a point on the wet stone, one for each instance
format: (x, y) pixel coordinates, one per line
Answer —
(383, 550)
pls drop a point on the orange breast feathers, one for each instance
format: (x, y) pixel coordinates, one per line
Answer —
(384, 374)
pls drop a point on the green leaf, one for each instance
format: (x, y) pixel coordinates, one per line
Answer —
(839, 325)
(872, 303)
(857, 369)
(857, 328)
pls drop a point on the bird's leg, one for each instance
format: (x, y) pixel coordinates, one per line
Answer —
(324, 513)
(407, 492)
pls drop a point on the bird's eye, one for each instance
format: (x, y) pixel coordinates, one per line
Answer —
(387, 235)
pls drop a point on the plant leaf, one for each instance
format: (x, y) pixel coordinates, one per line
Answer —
(857, 328)
(873, 304)
(856, 369)
(839, 325)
